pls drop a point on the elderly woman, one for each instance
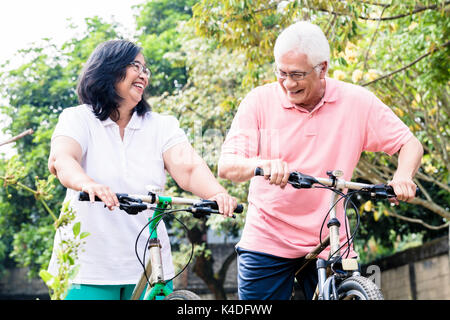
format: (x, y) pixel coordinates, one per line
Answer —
(113, 142)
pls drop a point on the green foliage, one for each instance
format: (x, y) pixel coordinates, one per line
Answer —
(205, 56)
(398, 49)
(67, 254)
(160, 23)
(37, 92)
(205, 109)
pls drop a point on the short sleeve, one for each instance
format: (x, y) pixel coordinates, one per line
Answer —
(385, 131)
(173, 134)
(243, 137)
(71, 124)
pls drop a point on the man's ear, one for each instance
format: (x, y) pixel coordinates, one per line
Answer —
(323, 70)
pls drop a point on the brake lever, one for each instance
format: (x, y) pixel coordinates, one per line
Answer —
(207, 207)
(301, 181)
(131, 205)
(381, 191)
(133, 208)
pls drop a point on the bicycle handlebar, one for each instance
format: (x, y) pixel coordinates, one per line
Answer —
(134, 204)
(302, 181)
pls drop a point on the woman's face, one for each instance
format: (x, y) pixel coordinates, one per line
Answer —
(132, 87)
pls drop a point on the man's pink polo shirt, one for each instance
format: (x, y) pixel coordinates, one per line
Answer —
(347, 121)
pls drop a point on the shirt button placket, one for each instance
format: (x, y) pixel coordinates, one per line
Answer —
(122, 153)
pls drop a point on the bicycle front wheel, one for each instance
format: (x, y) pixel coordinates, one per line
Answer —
(359, 288)
(182, 295)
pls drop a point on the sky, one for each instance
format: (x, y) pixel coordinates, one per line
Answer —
(23, 22)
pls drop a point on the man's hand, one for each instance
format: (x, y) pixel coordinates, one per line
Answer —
(404, 188)
(409, 160)
(276, 171)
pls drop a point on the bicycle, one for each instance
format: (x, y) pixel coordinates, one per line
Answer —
(151, 279)
(339, 278)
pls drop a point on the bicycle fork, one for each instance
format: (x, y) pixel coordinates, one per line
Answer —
(153, 277)
(326, 285)
(333, 225)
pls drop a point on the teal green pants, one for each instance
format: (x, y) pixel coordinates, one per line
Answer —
(103, 292)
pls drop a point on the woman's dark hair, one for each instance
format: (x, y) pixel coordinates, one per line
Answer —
(106, 67)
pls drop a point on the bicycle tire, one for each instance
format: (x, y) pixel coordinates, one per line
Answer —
(182, 295)
(359, 288)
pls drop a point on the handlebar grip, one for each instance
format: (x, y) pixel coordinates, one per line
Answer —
(213, 205)
(84, 196)
(391, 192)
(383, 191)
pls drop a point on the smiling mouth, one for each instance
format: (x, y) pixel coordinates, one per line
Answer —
(296, 92)
(138, 85)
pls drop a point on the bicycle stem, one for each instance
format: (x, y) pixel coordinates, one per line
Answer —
(342, 184)
(333, 226)
(154, 198)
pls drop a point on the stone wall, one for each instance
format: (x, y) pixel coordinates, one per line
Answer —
(420, 273)
(15, 285)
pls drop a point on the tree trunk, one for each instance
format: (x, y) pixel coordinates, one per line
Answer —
(204, 264)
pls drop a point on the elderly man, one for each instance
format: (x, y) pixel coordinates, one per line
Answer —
(310, 123)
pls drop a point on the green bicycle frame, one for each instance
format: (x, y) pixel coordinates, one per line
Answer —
(158, 288)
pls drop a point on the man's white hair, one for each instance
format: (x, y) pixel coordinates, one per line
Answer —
(303, 37)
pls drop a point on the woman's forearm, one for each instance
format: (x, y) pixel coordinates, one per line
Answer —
(70, 173)
(202, 182)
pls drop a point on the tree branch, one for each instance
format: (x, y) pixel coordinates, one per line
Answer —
(19, 136)
(373, 37)
(417, 10)
(419, 221)
(432, 207)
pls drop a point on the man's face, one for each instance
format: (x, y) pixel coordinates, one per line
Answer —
(307, 92)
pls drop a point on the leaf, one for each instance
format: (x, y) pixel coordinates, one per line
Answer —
(378, 213)
(84, 235)
(74, 271)
(368, 206)
(76, 229)
(46, 276)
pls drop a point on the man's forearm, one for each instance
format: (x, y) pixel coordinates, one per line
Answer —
(237, 168)
(409, 158)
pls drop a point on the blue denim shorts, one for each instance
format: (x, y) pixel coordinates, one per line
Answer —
(263, 276)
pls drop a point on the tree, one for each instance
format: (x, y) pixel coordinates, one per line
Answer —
(205, 107)
(157, 23)
(203, 102)
(37, 92)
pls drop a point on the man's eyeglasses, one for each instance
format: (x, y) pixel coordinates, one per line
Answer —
(295, 76)
(140, 68)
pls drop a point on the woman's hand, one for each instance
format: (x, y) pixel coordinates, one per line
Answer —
(226, 203)
(192, 174)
